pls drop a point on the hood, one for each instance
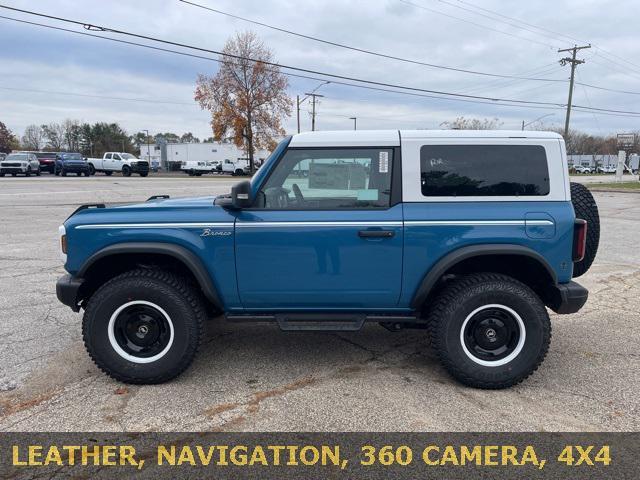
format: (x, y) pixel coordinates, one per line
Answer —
(153, 211)
(171, 203)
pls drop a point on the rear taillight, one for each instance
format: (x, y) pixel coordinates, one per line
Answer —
(579, 239)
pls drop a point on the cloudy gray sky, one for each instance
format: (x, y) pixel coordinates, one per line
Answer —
(41, 68)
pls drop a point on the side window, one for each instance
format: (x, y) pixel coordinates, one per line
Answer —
(116, 156)
(483, 170)
(329, 179)
(107, 156)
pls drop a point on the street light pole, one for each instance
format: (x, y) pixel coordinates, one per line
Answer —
(355, 122)
(534, 121)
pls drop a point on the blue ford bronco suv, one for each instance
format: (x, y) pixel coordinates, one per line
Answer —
(470, 235)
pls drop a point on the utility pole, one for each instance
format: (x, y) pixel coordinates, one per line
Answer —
(298, 111)
(313, 108)
(148, 147)
(574, 62)
(300, 102)
(355, 122)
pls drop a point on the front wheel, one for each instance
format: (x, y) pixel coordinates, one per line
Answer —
(126, 171)
(144, 326)
(143, 174)
(489, 330)
(92, 169)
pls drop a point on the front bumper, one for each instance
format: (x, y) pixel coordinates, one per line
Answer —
(140, 167)
(13, 169)
(75, 168)
(566, 297)
(67, 289)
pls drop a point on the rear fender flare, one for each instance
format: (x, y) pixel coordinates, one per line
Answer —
(464, 253)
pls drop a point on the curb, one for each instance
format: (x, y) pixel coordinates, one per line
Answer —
(613, 190)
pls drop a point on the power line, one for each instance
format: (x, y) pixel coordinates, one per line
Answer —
(475, 24)
(417, 62)
(362, 50)
(601, 50)
(306, 77)
(86, 95)
(556, 34)
(91, 27)
(627, 92)
(378, 86)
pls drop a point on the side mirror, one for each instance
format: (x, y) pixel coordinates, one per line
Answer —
(241, 195)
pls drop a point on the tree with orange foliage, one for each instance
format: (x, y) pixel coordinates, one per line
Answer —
(247, 98)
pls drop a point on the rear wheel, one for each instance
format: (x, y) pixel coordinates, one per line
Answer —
(38, 172)
(489, 330)
(586, 208)
(144, 326)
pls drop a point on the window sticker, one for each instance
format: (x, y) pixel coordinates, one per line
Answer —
(383, 162)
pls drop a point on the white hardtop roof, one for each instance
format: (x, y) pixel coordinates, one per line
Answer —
(391, 138)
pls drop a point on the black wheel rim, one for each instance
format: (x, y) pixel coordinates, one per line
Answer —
(492, 334)
(141, 331)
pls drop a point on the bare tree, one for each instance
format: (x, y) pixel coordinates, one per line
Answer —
(247, 97)
(33, 138)
(72, 135)
(54, 135)
(462, 123)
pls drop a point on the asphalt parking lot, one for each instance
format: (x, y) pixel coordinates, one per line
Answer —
(256, 378)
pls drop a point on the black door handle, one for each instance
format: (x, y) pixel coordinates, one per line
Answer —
(376, 233)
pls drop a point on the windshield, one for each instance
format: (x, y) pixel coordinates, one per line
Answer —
(127, 156)
(266, 165)
(18, 156)
(71, 156)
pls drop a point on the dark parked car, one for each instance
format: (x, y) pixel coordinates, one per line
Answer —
(71, 163)
(47, 161)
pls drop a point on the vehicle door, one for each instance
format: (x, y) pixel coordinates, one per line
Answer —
(117, 162)
(107, 161)
(330, 239)
(34, 162)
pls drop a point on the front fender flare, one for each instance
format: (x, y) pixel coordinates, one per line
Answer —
(182, 254)
(457, 256)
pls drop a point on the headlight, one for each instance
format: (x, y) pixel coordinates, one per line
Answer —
(63, 243)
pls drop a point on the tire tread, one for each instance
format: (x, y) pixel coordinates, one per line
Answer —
(183, 288)
(448, 297)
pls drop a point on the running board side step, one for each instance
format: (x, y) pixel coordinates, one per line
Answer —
(332, 322)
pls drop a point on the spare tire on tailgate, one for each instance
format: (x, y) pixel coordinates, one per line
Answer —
(585, 207)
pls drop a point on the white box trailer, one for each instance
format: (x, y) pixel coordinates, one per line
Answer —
(208, 152)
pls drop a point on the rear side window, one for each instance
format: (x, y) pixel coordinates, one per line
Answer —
(483, 170)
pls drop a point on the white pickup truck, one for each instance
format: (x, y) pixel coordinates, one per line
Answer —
(118, 162)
